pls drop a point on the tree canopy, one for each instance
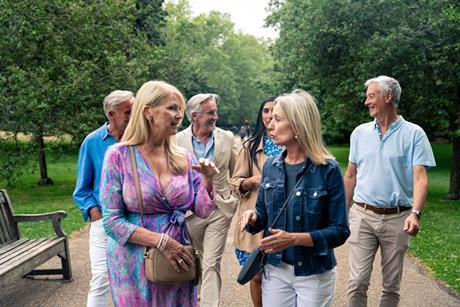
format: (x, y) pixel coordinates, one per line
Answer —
(331, 47)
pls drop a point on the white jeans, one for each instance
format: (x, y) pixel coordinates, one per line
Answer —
(281, 288)
(99, 285)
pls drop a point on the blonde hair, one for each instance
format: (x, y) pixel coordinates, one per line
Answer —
(303, 116)
(152, 94)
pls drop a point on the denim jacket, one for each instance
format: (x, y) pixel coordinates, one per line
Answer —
(318, 206)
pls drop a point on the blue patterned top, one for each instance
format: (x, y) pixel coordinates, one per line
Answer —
(271, 149)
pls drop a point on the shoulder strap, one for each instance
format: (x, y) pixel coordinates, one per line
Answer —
(290, 196)
(136, 183)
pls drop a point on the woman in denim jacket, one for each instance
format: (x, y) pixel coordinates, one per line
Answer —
(300, 262)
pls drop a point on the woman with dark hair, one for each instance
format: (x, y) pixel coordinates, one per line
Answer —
(245, 182)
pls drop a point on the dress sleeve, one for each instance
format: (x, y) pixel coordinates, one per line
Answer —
(116, 225)
(204, 203)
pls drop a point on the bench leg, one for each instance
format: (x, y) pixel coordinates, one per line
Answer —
(65, 261)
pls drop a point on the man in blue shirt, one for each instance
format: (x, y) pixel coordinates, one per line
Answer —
(387, 181)
(117, 107)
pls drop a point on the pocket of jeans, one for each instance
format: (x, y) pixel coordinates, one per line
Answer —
(96, 226)
(354, 219)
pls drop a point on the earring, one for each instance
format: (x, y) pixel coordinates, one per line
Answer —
(295, 137)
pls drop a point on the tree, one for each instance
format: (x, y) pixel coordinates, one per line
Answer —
(330, 47)
(59, 59)
(205, 54)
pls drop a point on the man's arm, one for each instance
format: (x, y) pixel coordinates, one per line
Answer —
(233, 154)
(349, 181)
(84, 186)
(412, 223)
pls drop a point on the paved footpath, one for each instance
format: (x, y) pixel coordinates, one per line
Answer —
(418, 288)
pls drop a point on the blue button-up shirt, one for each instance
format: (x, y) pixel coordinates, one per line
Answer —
(90, 159)
(317, 206)
(385, 163)
(201, 149)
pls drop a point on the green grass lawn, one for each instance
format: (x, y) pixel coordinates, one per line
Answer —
(437, 245)
(27, 197)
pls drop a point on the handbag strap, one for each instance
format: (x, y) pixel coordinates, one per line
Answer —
(136, 183)
(290, 195)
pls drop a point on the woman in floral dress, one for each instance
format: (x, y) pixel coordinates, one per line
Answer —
(171, 183)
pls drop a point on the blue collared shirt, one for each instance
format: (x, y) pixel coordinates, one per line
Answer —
(385, 163)
(317, 207)
(90, 159)
(201, 149)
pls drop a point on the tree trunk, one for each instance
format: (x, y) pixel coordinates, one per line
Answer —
(455, 169)
(44, 180)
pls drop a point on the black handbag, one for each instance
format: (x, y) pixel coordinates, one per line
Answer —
(256, 260)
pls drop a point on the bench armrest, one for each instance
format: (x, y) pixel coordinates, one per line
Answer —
(55, 218)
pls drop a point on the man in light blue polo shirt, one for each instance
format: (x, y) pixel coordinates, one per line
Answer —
(386, 185)
(117, 107)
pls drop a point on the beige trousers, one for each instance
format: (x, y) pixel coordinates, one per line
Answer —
(369, 231)
(209, 237)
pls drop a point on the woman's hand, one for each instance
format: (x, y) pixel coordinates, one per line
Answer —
(208, 169)
(248, 217)
(179, 257)
(278, 240)
(251, 183)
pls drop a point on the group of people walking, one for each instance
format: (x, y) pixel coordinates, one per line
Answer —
(193, 181)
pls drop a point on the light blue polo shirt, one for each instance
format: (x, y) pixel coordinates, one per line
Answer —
(384, 164)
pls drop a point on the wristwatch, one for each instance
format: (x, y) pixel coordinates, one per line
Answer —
(417, 212)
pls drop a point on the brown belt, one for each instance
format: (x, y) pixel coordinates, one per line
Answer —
(382, 210)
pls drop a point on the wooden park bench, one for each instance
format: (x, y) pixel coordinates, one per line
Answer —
(20, 256)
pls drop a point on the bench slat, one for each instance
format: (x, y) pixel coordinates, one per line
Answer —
(22, 248)
(31, 263)
(12, 245)
(22, 257)
(7, 224)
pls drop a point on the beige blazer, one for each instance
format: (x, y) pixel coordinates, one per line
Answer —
(224, 157)
(242, 239)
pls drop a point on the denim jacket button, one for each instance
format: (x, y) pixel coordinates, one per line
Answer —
(299, 263)
(267, 185)
(298, 193)
(297, 217)
(315, 194)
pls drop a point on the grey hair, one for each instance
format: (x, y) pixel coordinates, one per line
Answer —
(387, 84)
(112, 100)
(194, 103)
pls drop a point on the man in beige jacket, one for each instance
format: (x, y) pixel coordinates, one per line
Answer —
(205, 140)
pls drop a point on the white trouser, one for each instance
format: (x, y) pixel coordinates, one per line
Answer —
(281, 288)
(99, 285)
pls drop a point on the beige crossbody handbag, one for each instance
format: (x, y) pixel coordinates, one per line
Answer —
(158, 269)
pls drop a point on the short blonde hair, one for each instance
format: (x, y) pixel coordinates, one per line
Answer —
(303, 116)
(152, 94)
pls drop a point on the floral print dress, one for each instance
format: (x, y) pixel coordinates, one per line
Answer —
(164, 212)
